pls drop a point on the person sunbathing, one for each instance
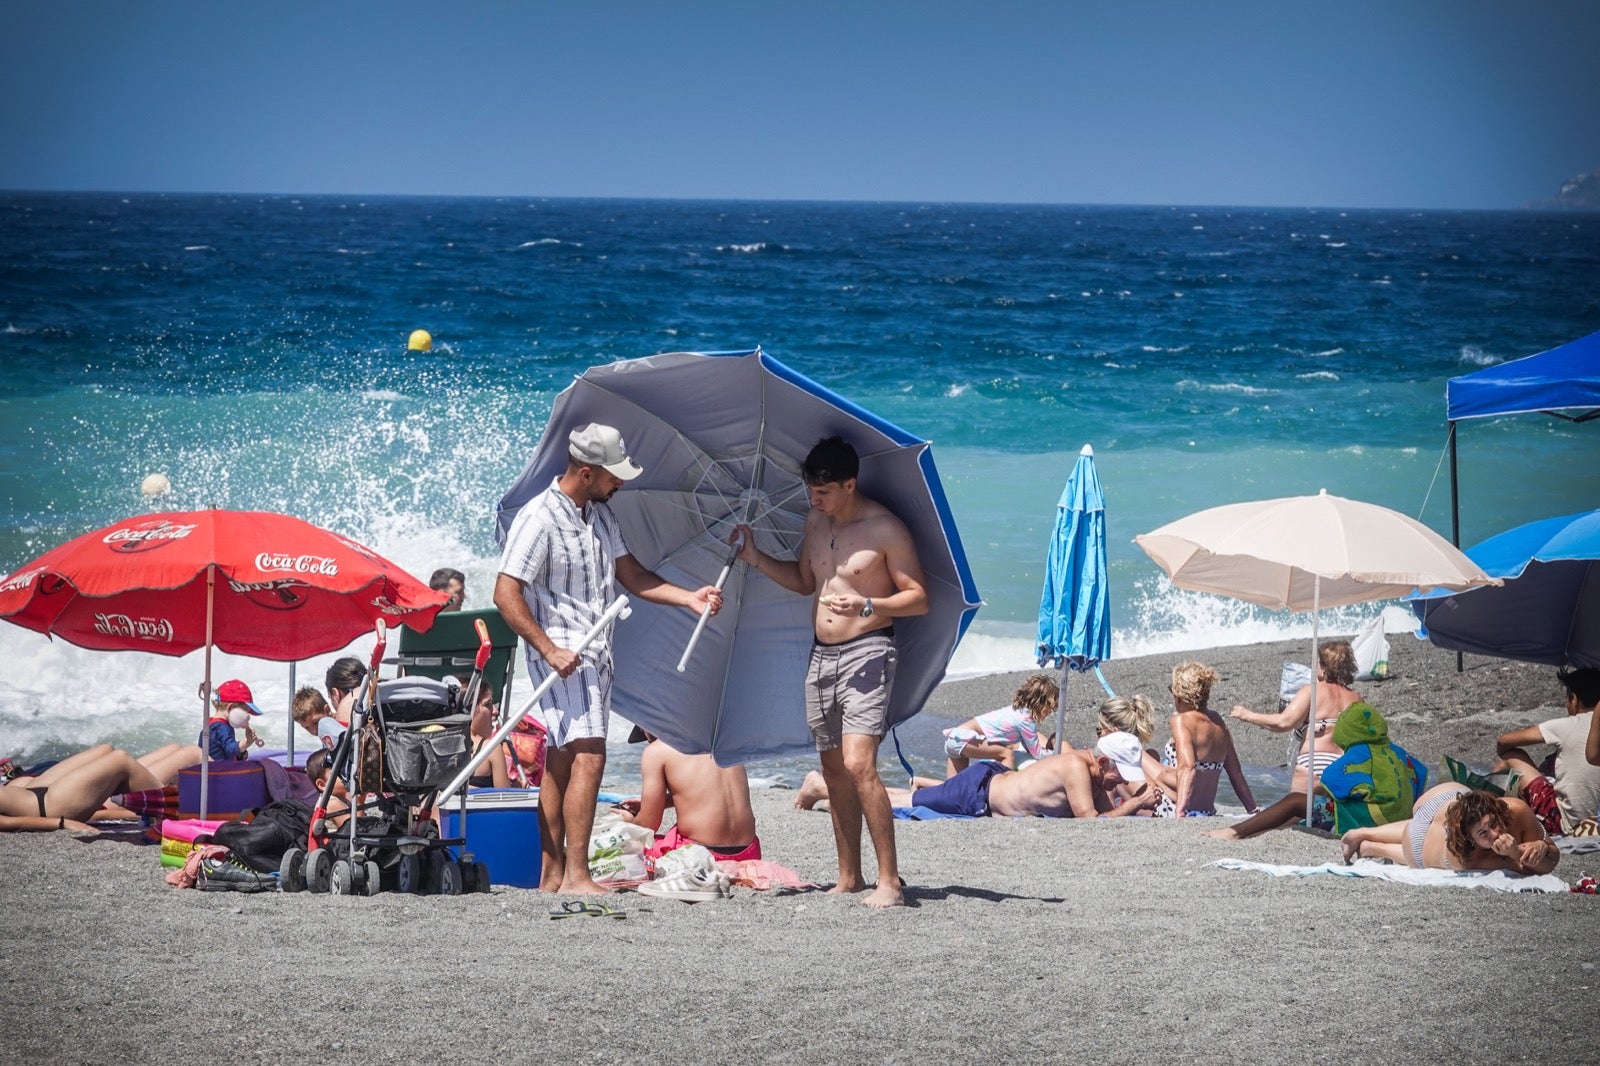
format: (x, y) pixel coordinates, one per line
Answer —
(75, 790)
(1200, 750)
(1073, 784)
(1477, 831)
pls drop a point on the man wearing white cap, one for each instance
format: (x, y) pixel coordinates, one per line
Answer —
(563, 558)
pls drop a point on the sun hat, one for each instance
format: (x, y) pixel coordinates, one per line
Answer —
(1125, 751)
(598, 445)
(237, 692)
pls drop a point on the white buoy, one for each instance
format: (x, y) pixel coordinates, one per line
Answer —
(155, 485)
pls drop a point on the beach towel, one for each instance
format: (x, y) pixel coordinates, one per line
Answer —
(923, 814)
(1502, 784)
(763, 875)
(1374, 782)
(1498, 880)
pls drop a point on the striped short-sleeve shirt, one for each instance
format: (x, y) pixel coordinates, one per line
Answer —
(567, 562)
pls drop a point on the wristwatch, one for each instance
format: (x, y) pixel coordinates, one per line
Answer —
(866, 608)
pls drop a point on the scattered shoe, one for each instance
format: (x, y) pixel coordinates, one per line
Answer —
(227, 874)
(690, 886)
(577, 907)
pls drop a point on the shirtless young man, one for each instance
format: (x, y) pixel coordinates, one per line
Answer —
(858, 563)
(1455, 828)
(712, 802)
(1073, 784)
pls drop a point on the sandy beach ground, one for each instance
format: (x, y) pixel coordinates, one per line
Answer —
(1107, 941)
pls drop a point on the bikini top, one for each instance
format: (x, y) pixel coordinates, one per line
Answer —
(1169, 757)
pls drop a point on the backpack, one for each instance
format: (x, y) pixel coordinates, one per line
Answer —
(272, 830)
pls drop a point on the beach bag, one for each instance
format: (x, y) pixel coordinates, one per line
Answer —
(261, 842)
(1295, 676)
(427, 754)
(1371, 647)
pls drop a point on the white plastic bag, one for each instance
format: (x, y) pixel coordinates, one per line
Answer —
(1371, 647)
(613, 835)
(1295, 677)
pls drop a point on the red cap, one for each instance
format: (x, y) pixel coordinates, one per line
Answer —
(237, 692)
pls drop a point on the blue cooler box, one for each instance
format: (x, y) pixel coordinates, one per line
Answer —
(502, 830)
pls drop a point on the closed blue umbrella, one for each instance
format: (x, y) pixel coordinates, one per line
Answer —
(1548, 609)
(1075, 608)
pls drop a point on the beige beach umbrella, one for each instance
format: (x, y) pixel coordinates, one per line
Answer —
(1301, 553)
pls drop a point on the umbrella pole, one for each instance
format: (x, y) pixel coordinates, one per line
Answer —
(205, 716)
(1061, 711)
(1311, 722)
(289, 728)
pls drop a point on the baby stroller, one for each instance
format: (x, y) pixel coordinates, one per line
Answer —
(408, 738)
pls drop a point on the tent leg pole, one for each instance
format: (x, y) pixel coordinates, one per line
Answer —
(1061, 712)
(1455, 511)
(1311, 722)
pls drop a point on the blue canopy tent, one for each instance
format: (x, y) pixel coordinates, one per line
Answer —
(1553, 383)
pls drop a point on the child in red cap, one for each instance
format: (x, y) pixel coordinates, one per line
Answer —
(233, 708)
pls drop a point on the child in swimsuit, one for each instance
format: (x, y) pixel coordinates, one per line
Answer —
(997, 734)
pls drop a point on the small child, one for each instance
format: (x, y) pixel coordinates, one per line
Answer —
(312, 713)
(339, 801)
(233, 707)
(994, 735)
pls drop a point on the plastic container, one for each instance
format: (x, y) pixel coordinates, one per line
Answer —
(502, 830)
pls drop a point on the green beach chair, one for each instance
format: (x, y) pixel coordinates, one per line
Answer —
(452, 644)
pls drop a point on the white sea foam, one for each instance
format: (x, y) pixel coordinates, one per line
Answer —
(1472, 355)
(1224, 386)
(1318, 375)
(758, 246)
(198, 248)
(957, 390)
(383, 395)
(541, 241)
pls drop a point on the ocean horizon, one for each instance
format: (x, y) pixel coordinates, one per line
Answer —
(253, 349)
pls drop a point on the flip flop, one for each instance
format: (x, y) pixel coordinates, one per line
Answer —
(575, 907)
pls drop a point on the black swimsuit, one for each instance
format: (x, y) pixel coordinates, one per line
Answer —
(39, 794)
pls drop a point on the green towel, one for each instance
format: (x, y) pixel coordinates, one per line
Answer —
(1503, 783)
(1374, 782)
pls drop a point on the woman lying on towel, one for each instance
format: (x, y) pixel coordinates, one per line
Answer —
(1455, 828)
(72, 793)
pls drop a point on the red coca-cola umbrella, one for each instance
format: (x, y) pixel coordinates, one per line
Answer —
(253, 583)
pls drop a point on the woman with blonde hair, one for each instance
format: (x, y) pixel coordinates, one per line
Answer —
(1200, 750)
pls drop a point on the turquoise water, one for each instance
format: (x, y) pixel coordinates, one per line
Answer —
(253, 349)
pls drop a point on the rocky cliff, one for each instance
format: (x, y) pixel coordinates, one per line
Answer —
(1581, 193)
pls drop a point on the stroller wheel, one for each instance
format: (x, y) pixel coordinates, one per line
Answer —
(344, 878)
(450, 879)
(292, 871)
(409, 875)
(319, 870)
(370, 886)
(480, 877)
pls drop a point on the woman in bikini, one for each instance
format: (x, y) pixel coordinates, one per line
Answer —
(68, 795)
(1336, 672)
(1200, 750)
(1455, 828)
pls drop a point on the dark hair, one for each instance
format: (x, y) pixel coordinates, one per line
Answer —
(443, 576)
(345, 674)
(829, 460)
(1466, 811)
(1584, 684)
(317, 765)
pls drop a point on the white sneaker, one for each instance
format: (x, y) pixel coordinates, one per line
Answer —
(691, 886)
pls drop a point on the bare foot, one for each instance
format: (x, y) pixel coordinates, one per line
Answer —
(813, 790)
(885, 896)
(847, 887)
(1350, 846)
(583, 886)
(1222, 834)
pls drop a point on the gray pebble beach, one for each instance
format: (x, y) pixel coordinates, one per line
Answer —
(1033, 940)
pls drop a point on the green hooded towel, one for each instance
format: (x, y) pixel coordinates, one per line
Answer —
(1374, 782)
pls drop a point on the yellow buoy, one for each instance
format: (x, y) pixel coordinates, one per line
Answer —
(420, 341)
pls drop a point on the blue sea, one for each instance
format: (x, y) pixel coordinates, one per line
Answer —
(253, 349)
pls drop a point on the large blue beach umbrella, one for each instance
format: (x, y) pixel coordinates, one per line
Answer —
(1075, 607)
(1548, 610)
(721, 437)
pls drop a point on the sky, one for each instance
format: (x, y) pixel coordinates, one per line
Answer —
(1455, 104)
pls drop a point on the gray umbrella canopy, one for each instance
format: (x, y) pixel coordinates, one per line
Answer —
(721, 437)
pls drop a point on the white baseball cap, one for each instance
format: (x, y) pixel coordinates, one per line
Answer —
(1124, 750)
(598, 445)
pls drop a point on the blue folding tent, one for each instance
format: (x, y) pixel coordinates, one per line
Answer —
(1561, 380)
